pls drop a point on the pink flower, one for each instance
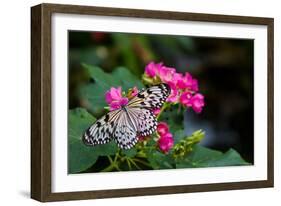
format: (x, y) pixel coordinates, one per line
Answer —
(113, 94)
(183, 87)
(174, 93)
(187, 81)
(194, 85)
(118, 104)
(185, 98)
(197, 102)
(135, 91)
(166, 142)
(114, 98)
(162, 128)
(166, 74)
(132, 92)
(156, 111)
(177, 77)
(152, 69)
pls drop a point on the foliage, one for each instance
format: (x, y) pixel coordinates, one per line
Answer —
(82, 157)
(186, 152)
(99, 82)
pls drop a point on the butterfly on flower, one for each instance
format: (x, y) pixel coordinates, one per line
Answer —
(126, 124)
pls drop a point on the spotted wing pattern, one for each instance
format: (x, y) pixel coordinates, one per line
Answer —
(151, 98)
(126, 124)
(125, 134)
(144, 120)
(101, 131)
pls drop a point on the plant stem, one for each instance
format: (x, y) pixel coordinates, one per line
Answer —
(113, 163)
(142, 162)
(110, 159)
(129, 164)
(116, 156)
(117, 167)
(179, 109)
(133, 162)
(141, 154)
(109, 168)
(162, 109)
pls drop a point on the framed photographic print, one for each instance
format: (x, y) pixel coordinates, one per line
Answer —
(132, 102)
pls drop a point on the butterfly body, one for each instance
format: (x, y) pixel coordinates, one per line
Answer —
(135, 119)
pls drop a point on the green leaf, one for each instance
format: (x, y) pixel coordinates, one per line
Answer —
(126, 78)
(178, 136)
(130, 153)
(173, 116)
(230, 158)
(94, 93)
(80, 156)
(205, 157)
(159, 160)
(87, 55)
(106, 149)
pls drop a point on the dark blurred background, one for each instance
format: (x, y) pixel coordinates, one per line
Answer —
(223, 67)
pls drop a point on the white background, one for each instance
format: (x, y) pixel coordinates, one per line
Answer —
(15, 102)
(61, 182)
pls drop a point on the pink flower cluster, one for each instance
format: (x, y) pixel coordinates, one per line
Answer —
(166, 141)
(114, 98)
(184, 88)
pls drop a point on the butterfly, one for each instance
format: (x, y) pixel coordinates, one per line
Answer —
(126, 124)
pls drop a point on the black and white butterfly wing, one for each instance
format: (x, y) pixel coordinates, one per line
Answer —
(124, 125)
(114, 125)
(125, 133)
(101, 132)
(143, 119)
(140, 108)
(151, 98)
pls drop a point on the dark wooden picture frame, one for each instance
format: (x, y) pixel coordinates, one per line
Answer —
(41, 95)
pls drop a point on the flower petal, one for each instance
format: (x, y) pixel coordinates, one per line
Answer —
(162, 128)
(166, 142)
